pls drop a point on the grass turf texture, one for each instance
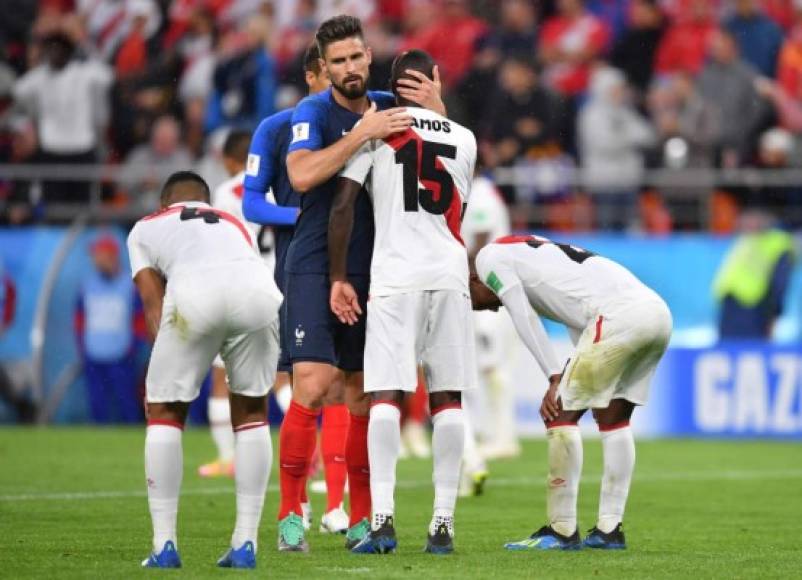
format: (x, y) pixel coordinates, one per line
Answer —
(72, 505)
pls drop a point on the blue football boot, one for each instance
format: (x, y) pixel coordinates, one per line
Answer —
(379, 541)
(547, 539)
(242, 557)
(167, 558)
(612, 541)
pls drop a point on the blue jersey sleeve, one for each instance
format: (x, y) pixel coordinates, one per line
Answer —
(261, 171)
(258, 210)
(307, 125)
(383, 99)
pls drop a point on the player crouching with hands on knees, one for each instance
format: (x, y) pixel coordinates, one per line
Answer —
(620, 329)
(205, 290)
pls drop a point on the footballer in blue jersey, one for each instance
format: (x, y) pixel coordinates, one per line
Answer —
(325, 134)
(266, 170)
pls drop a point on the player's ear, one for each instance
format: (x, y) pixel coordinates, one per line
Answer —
(369, 53)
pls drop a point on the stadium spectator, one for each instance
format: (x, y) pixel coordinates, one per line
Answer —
(68, 99)
(516, 33)
(614, 14)
(569, 43)
(782, 200)
(109, 22)
(688, 126)
(789, 64)
(146, 166)
(244, 81)
(108, 322)
(759, 37)
(684, 46)
(727, 83)
(450, 39)
(752, 282)
(635, 49)
(612, 137)
(522, 119)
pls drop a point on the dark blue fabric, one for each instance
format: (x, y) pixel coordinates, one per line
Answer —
(267, 169)
(759, 40)
(317, 122)
(313, 334)
(112, 389)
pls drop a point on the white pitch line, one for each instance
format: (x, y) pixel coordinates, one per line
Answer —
(535, 479)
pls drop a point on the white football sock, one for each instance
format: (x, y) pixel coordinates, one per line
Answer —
(565, 468)
(384, 445)
(163, 470)
(472, 459)
(219, 411)
(253, 458)
(618, 450)
(448, 442)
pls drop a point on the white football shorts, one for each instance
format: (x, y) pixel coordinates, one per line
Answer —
(433, 328)
(616, 356)
(227, 310)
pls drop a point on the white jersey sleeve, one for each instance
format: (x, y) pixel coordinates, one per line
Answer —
(138, 253)
(501, 278)
(358, 167)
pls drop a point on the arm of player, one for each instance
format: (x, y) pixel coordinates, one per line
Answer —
(150, 285)
(309, 167)
(530, 329)
(343, 299)
(257, 209)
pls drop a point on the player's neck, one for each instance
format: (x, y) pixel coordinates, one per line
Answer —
(358, 105)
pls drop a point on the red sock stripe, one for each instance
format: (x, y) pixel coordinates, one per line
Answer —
(446, 407)
(614, 426)
(166, 423)
(555, 424)
(383, 402)
(597, 338)
(255, 425)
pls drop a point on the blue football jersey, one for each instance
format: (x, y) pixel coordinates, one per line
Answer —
(318, 121)
(266, 169)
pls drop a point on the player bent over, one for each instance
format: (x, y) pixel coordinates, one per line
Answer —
(205, 290)
(419, 309)
(620, 328)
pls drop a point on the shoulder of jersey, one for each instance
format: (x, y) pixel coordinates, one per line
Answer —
(383, 99)
(278, 119)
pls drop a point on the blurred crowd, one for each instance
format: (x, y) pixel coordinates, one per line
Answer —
(554, 89)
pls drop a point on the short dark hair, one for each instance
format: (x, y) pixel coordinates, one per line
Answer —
(183, 177)
(237, 144)
(337, 28)
(414, 59)
(312, 59)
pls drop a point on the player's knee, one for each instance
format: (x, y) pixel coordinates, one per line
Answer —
(336, 391)
(246, 410)
(310, 386)
(173, 412)
(444, 400)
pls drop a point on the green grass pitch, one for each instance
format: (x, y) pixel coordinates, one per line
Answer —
(72, 505)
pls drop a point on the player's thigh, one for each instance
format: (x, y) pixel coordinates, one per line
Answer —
(178, 364)
(449, 345)
(391, 349)
(350, 340)
(309, 321)
(251, 361)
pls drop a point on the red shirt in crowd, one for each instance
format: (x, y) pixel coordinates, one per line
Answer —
(584, 38)
(684, 47)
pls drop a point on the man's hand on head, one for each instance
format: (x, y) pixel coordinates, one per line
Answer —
(423, 90)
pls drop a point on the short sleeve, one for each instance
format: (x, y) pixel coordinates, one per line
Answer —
(307, 125)
(358, 167)
(495, 271)
(138, 254)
